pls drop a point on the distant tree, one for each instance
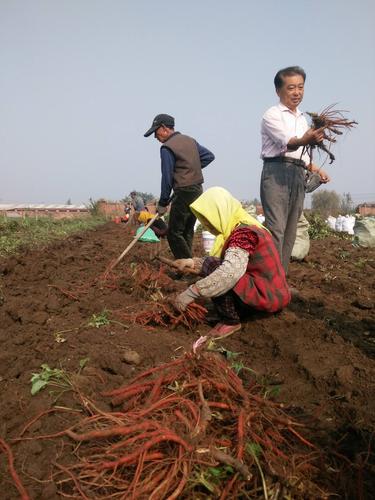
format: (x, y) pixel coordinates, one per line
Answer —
(147, 197)
(69, 202)
(253, 201)
(326, 202)
(347, 206)
(93, 206)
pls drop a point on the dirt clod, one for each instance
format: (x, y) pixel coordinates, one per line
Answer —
(131, 357)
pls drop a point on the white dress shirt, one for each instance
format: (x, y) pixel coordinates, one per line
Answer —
(279, 125)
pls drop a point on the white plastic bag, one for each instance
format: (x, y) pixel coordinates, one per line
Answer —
(348, 224)
(302, 244)
(364, 232)
(338, 225)
(331, 221)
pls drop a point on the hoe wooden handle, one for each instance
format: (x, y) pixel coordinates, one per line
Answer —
(141, 233)
(172, 263)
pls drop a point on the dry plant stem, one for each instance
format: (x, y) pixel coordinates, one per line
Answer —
(76, 483)
(224, 458)
(228, 487)
(68, 294)
(241, 433)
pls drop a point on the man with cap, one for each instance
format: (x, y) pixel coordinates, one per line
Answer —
(137, 201)
(182, 160)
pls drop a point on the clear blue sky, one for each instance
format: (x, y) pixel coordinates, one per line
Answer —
(81, 81)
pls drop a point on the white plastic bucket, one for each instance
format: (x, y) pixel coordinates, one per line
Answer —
(208, 240)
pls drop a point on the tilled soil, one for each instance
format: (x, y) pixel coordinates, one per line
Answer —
(319, 352)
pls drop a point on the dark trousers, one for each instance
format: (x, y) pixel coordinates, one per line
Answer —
(181, 221)
(160, 228)
(282, 192)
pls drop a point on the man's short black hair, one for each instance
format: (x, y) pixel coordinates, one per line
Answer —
(289, 71)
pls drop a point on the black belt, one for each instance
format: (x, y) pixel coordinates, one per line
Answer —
(286, 159)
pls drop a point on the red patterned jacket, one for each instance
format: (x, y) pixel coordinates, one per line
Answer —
(264, 285)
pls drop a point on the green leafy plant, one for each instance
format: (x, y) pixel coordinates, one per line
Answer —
(318, 228)
(361, 262)
(49, 376)
(82, 363)
(212, 476)
(231, 356)
(272, 391)
(220, 472)
(102, 319)
(344, 254)
(56, 377)
(98, 320)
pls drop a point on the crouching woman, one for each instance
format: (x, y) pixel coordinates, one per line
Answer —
(243, 272)
(159, 227)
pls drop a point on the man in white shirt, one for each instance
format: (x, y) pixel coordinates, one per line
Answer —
(284, 134)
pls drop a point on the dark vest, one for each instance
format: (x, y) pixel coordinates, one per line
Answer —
(188, 170)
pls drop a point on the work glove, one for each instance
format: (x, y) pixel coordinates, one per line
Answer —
(184, 265)
(185, 298)
(161, 210)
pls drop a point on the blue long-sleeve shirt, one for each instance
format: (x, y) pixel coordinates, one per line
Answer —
(168, 162)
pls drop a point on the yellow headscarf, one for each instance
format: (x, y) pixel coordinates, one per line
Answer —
(223, 212)
(144, 217)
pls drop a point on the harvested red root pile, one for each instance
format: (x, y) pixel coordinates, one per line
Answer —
(142, 279)
(163, 314)
(189, 429)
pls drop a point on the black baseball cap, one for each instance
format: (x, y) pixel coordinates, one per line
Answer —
(158, 121)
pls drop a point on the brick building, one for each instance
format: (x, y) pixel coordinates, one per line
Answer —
(365, 209)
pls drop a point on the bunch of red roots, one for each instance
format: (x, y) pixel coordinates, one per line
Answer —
(189, 429)
(146, 282)
(162, 314)
(334, 123)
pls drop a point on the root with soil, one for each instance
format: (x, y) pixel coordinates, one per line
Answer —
(334, 123)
